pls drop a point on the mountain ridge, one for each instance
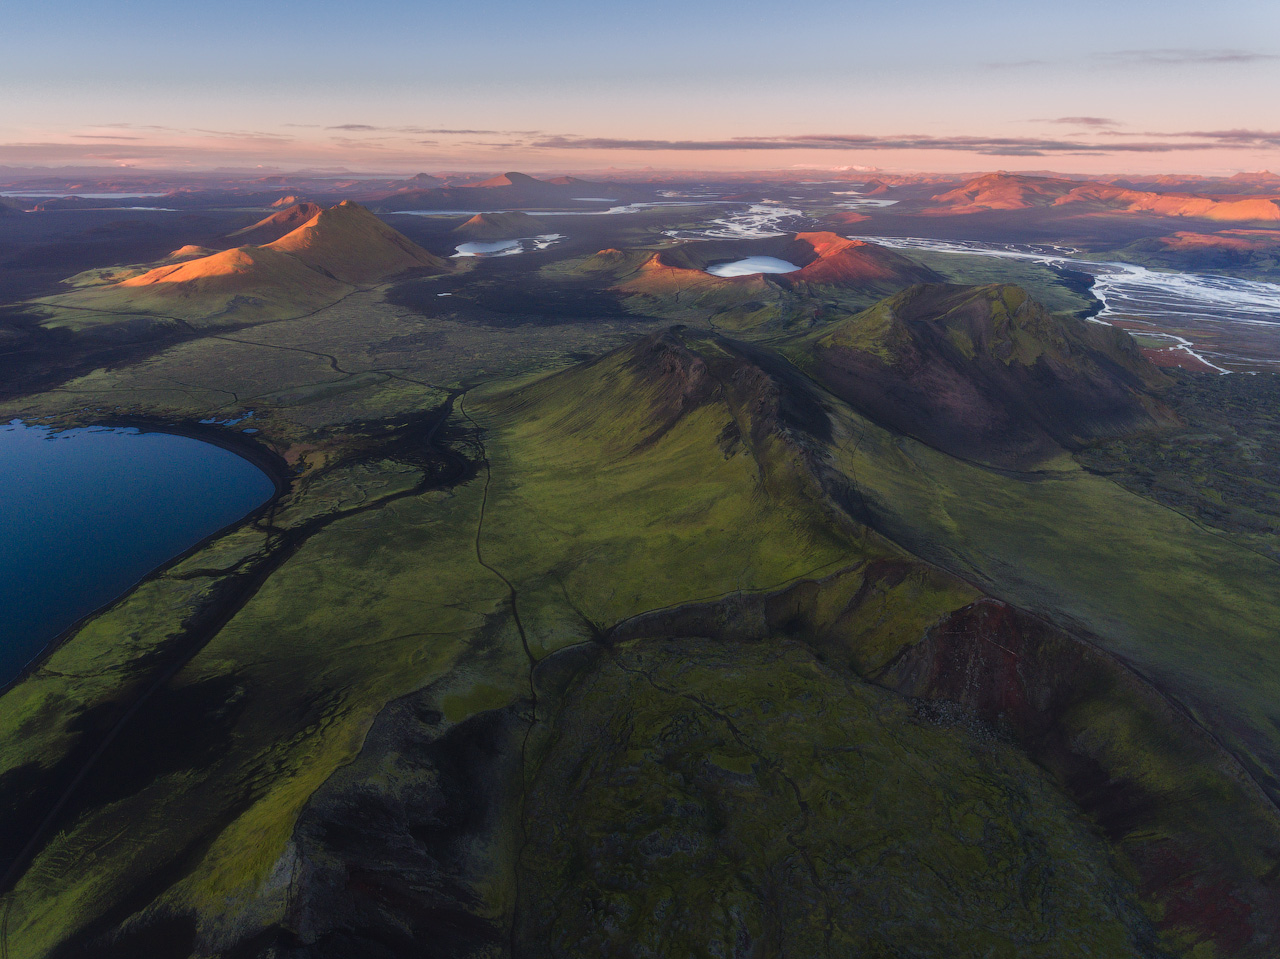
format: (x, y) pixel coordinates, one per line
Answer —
(987, 374)
(275, 225)
(1008, 192)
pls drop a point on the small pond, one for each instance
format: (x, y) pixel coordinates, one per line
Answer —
(752, 264)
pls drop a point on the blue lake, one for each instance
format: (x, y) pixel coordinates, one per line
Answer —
(752, 264)
(493, 248)
(85, 514)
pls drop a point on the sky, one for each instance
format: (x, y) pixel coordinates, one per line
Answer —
(564, 85)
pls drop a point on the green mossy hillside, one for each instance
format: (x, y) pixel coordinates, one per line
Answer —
(688, 519)
(750, 801)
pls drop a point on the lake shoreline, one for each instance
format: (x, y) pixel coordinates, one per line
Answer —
(265, 459)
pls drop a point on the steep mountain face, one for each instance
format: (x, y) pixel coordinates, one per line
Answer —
(276, 225)
(987, 373)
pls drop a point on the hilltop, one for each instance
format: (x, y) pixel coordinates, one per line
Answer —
(837, 261)
(1233, 240)
(352, 245)
(986, 373)
(423, 181)
(502, 226)
(1004, 191)
(1253, 254)
(332, 253)
(824, 259)
(834, 273)
(572, 181)
(69, 203)
(276, 225)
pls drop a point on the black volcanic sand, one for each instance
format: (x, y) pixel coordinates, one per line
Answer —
(509, 300)
(37, 250)
(1096, 233)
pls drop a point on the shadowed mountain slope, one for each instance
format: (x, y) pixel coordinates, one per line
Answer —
(423, 181)
(276, 225)
(190, 252)
(1254, 254)
(986, 373)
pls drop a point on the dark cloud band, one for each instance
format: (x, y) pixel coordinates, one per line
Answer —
(988, 146)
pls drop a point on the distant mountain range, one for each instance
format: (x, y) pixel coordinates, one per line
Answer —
(276, 225)
(1006, 191)
(503, 192)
